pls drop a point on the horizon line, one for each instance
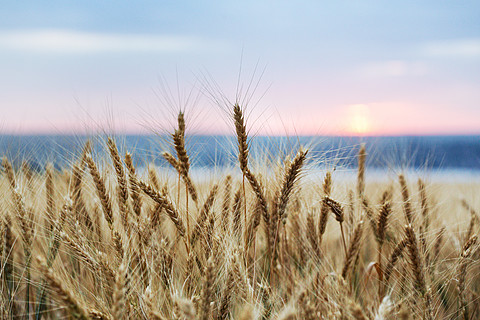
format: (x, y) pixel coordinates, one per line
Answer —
(199, 134)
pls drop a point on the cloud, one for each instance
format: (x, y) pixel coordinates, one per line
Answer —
(393, 68)
(456, 48)
(67, 41)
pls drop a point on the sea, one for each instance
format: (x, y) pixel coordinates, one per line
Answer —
(450, 158)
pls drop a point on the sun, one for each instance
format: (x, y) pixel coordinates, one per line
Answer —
(359, 119)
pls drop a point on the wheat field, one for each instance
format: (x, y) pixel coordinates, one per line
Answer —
(103, 239)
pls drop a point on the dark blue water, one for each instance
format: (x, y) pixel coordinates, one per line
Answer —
(412, 152)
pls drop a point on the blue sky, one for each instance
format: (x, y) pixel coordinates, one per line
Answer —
(336, 67)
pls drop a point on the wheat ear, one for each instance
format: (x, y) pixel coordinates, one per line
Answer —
(53, 246)
(396, 254)
(337, 210)
(119, 293)
(226, 203)
(417, 268)
(312, 235)
(228, 291)
(324, 209)
(438, 244)
(385, 212)
(462, 275)
(203, 216)
(280, 215)
(50, 196)
(237, 214)
(25, 218)
(75, 189)
(66, 296)
(241, 131)
(87, 149)
(291, 176)
(407, 208)
(9, 172)
(8, 263)
(167, 205)
(153, 177)
(259, 193)
(424, 204)
(415, 259)
(356, 310)
(122, 190)
(183, 166)
(362, 156)
(135, 191)
(353, 249)
(101, 190)
(207, 291)
(288, 313)
(183, 174)
(185, 309)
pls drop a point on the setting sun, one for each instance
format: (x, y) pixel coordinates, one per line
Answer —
(359, 119)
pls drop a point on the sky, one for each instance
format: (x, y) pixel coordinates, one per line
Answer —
(297, 67)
